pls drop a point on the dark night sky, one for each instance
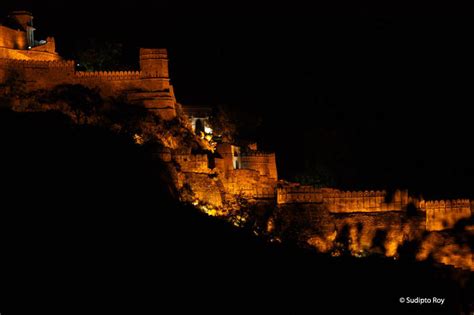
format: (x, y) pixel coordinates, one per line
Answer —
(378, 95)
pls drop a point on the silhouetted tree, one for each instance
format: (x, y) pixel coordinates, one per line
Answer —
(100, 56)
(294, 225)
(231, 122)
(343, 241)
(314, 174)
(128, 116)
(14, 87)
(378, 241)
(412, 210)
(15, 84)
(408, 250)
(223, 124)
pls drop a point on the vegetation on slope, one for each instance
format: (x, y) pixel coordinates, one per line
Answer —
(91, 225)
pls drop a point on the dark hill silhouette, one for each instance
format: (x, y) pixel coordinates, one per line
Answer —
(90, 225)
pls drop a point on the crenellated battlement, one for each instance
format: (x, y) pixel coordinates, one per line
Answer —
(299, 194)
(70, 64)
(443, 214)
(191, 157)
(335, 193)
(258, 154)
(109, 75)
(444, 204)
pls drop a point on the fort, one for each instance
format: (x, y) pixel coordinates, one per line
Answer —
(230, 171)
(41, 67)
(17, 40)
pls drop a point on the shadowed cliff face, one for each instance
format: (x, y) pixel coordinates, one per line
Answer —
(90, 224)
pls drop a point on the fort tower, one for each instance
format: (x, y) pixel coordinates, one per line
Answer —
(24, 20)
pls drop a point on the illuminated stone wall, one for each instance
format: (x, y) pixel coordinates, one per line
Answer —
(445, 214)
(14, 45)
(154, 63)
(34, 55)
(364, 201)
(265, 163)
(195, 163)
(39, 74)
(12, 39)
(48, 47)
(255, 176)
(249, 183)
(225, 163)
(147, 87)
(439, 215)
(337, 201)
(299, 194)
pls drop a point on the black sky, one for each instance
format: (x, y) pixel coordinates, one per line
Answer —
(378, 94)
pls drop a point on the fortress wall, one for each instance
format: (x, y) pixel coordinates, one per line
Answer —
(109, 75)
(49, 73)
(337, 201)
(150, 87)
(49, 46)
(194, 163)
(225, 163)
(363, 201)
(249, 183)
(444, 214)
(299, 194)
(13, 39)
(242, 182)
(39, 74)
(265, 163)
(265, 192)
(109, 82)
(6, 53)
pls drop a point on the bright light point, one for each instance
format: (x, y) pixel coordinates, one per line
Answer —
(207, 130)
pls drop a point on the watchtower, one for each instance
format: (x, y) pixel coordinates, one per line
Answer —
(24, 19)
(154, 63)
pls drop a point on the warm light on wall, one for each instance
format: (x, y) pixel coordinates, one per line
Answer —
(138, 139)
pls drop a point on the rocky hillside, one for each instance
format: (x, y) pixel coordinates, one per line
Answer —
(90, 224)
